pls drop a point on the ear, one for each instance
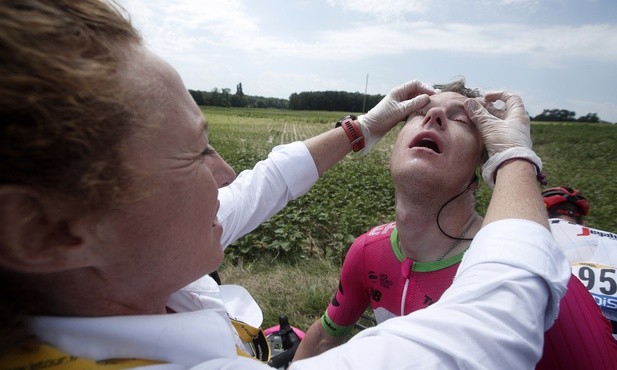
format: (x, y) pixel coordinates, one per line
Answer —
(33, 238)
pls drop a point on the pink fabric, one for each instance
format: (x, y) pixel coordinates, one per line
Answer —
(276, 328)
(580, 339)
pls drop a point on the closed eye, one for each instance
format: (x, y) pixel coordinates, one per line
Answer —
(461, 119)
(206, 152)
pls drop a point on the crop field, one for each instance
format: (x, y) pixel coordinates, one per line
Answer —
(290, 263)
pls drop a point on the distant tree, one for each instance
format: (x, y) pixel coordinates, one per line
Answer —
(561, 115)
(332, 101)
(213, 97)
(589, 117)
(564, 115)
(225, 97)
(238, 101)
(198, 96)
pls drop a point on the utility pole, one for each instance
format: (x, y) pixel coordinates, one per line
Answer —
(365, 86)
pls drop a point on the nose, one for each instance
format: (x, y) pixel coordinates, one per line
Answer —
(435, 116)
(223, 173)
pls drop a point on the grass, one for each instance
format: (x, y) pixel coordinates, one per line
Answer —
(299, 291)
(290, 264)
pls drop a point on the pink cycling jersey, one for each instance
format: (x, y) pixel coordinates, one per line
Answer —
(376, 274)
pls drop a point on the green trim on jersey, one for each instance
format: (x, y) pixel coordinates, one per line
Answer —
(338, 331)
(423, 266)
(333, 329)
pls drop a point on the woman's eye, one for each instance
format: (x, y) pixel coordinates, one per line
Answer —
(208, 151)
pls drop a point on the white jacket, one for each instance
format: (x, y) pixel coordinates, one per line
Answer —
(492, 317)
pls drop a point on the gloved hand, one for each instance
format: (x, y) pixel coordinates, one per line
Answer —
(506, 132)
(393, 108)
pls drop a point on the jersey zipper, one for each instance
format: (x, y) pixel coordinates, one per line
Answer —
(406, 267)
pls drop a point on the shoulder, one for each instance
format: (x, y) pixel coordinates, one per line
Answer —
(379, 233)
(376, 236)
(373, 247)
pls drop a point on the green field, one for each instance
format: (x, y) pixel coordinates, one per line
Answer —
(290, 264)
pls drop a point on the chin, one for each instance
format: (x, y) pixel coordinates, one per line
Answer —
(214, 260)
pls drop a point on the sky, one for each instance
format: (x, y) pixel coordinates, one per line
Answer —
(555, 54)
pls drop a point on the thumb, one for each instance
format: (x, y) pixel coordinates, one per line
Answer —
(412, 105)
(476, 112)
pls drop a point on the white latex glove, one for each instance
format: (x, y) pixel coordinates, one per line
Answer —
(506, 132)
(393, 108)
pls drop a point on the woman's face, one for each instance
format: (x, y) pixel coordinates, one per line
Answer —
(169, 236)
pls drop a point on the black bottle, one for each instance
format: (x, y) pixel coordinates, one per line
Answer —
(288, 336)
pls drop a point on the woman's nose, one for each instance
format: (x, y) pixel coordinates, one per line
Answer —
(223, 173)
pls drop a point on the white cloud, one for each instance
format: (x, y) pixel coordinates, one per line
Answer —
(221, 42)
(523, 3)
(549, 44)
(182, 26)
(179, 26)
(384, 9)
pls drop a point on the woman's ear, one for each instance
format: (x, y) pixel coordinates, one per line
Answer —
(33, 238)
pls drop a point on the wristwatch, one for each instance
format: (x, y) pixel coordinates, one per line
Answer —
(352, 128)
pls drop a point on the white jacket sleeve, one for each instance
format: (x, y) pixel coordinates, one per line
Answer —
(506, 293)
(258, 194)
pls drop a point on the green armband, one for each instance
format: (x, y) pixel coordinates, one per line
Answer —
(333, 329)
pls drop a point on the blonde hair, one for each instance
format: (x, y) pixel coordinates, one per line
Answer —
(62, 112)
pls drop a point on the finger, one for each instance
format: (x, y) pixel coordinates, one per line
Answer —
(497, 112)
(494, 95)
(514, 103)
(412, 89)
(477, 113)
(415, 104)
(511, 101)
(426, 89)
(514, 106)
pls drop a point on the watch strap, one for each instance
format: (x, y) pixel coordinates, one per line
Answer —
(352, 128)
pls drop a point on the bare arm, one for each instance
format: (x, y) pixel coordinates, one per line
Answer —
(328, 148)
(316, 341)
(517, 194)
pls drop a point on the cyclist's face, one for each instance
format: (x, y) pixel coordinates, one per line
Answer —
(438, 142)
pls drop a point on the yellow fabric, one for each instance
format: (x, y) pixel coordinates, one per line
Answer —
(46, 357)
(255, 338)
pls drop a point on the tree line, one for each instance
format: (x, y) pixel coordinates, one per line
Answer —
(312, 100)
(564, 115)
(224, 98)
(337, 101)
(333, 101)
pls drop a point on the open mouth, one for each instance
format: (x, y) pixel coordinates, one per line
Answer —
(429, 144)
(426, 141)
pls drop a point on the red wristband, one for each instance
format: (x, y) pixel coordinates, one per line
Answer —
(353, 131)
